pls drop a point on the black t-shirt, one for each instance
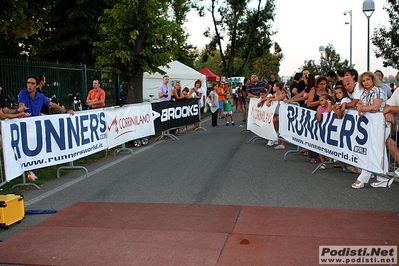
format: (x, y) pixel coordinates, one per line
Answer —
(293, 84)
(271, 82)
(45, 109)
(2, 103)
(300, 86)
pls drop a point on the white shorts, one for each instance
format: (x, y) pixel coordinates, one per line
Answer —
(228, 112)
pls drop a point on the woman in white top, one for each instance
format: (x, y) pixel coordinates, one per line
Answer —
(373, 99)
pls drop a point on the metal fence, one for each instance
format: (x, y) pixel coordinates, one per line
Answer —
(61, 80)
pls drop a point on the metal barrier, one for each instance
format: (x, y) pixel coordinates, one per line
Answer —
(61, 80)
(391, 159)
(199, 115)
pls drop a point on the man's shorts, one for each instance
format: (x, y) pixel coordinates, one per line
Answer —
(221, 107)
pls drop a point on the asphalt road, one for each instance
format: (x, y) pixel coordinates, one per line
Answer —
(216, 166)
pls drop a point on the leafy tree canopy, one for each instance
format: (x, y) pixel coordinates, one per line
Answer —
(387, 39)
(330, 61)
(19, 20)
(136, 36)
(187, 53)
(242, 36)
(69, 32)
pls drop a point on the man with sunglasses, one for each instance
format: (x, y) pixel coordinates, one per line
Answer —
(30, 101)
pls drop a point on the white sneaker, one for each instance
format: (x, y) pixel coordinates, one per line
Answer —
(270, 143)
(390, 182)
(393, 174)
(275, 142)
(279, 147)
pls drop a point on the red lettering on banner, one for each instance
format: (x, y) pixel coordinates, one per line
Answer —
(134, 121)
(114, 122)
(263, 116)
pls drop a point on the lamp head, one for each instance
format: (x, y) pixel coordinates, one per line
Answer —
(368, 8)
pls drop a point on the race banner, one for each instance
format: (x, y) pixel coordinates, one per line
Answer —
(355, 140)
(127, 123)
(36, 142)
(174, 114)
(260, 119)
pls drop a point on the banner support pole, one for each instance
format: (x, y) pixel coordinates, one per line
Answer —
(24, 184)
(72, 167)
(199, 115)
(123, 148)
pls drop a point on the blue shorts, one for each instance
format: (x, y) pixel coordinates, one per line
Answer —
(221, 107)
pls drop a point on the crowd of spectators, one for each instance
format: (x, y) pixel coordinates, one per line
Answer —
(337, 91)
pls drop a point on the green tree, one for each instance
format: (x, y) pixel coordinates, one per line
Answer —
(330, 61)
(387, 39)
(242, 35)
(137, 36)
(20, 20)
(211, 61)
(186, 52)
(70, 31)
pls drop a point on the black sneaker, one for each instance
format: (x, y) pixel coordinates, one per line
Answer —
(244, 120)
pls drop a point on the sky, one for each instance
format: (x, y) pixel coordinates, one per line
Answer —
(305, 25)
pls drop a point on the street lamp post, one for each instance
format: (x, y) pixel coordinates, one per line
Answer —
(321, 50)
(350, 32)
(368, 10)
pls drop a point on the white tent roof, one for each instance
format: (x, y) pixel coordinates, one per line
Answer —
(176, 71)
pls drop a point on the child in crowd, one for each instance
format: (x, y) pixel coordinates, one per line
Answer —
(325, 107)
(262, 97)
(185, 93)
(278, 95)
(228, 109)
(341, 99)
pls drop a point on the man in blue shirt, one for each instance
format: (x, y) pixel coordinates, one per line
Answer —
(32, 102)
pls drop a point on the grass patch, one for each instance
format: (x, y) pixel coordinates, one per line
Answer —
(50, 173)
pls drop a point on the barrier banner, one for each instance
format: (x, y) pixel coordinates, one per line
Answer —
(41, 141)
(356, 140)
(127, 123)
(171, 114)
(260, 119)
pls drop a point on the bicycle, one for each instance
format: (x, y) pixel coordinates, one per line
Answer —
(76, 102)
(54, 100)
